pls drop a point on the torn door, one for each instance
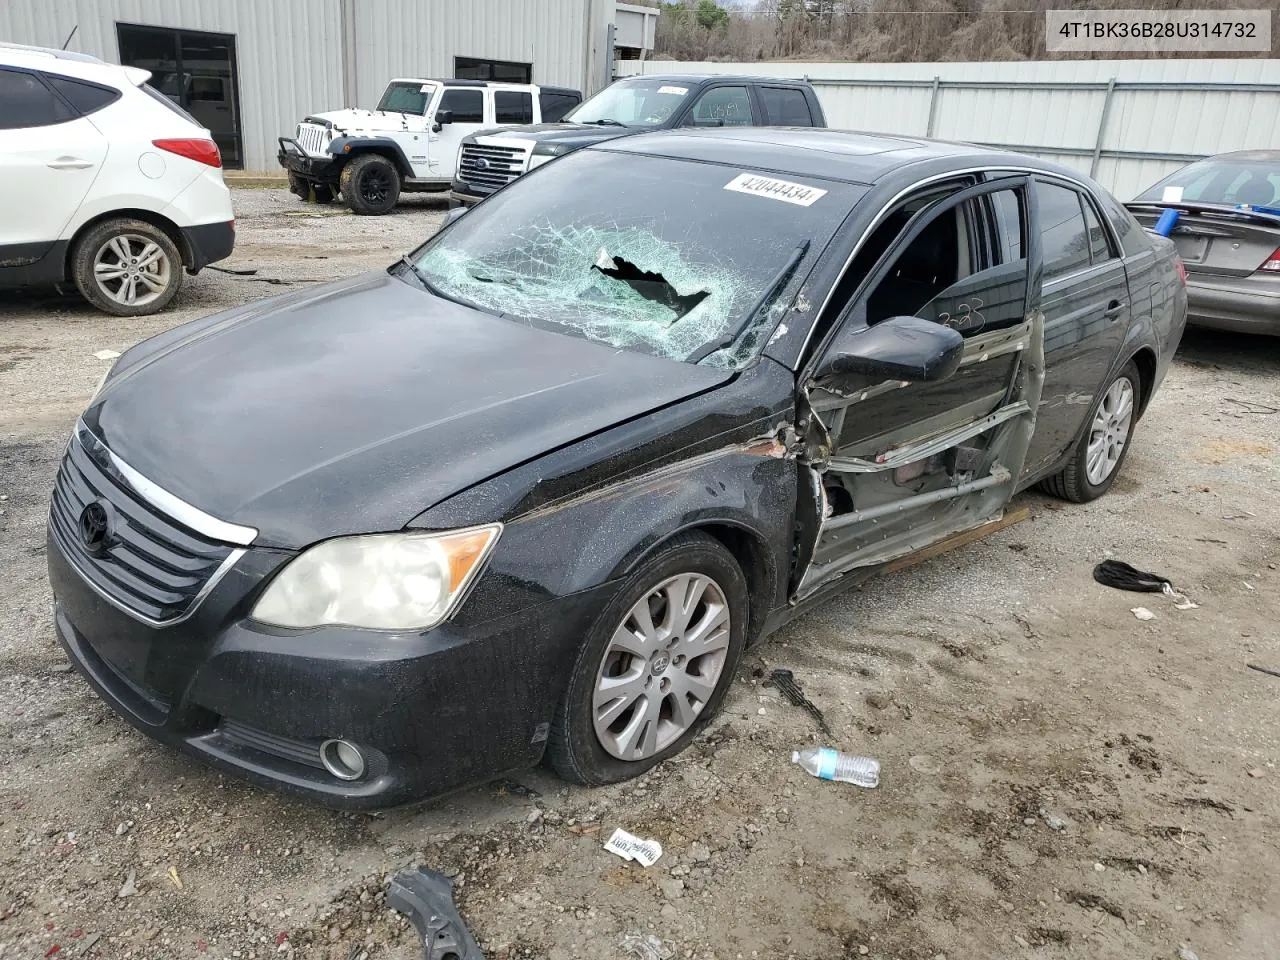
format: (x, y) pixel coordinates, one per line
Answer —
(897, 465)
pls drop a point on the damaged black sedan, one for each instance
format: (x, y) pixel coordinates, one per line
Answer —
(532, 490)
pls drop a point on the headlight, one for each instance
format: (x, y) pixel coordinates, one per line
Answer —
(544, 149)
(391, 581)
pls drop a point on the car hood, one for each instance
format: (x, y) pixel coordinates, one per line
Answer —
(355, 120)
(575, 135)
(354, 407)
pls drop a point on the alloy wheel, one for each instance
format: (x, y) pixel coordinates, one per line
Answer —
(132, 269)
(375, 186)
(661, 666)
(1109, 431)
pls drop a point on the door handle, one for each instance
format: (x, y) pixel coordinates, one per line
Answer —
(1115, 308)
(70, 163)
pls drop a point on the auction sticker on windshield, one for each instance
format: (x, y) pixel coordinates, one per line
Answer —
(784, 190)
(677, 90)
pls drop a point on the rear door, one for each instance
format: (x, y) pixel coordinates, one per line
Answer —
(49, 158)
(894, 466)
(1087, 309)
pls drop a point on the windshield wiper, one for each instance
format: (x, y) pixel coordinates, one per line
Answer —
(430, 287)
(606, 122)
(762, 301)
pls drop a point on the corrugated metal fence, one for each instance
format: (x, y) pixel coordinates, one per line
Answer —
(1126, 122)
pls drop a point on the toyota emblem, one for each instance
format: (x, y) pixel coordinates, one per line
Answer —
(95, 528)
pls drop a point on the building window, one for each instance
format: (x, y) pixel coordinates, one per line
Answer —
(500, 71)
(197, 71)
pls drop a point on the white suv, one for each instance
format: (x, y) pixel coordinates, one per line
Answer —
(104, 182)
(409, 143)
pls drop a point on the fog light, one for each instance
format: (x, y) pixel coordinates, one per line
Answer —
(344, 760)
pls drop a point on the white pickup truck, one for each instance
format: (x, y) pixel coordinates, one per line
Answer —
(409, 143)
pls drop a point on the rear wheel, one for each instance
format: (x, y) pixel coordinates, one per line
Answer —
(370, 184)
(1101, 451)
(655, 666)
(127, 267)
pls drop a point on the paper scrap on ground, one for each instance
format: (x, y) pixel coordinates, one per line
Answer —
(1142, 613)
(106, 355)
(646, 852)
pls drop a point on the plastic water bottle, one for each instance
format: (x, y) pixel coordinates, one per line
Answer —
(827, 764)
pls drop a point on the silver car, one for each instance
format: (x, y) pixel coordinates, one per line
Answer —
(1228, 235)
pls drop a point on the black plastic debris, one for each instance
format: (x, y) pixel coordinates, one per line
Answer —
(426, 898)
(785, 681)
(1115, 573)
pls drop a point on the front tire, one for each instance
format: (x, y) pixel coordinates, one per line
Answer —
(655, 666)
(127, 267)
(1101, 451)
(370, 184)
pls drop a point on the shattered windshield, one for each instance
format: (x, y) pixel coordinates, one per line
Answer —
(662, 256)
(407, 97)
(632, 103)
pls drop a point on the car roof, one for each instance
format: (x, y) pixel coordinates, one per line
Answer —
(1265, 156)
(69, 63)
(818, 151)
(698, 79)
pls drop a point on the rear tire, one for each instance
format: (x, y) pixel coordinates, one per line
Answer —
(646, 680)
(370, 184)
(1101, 451)
(127, 267)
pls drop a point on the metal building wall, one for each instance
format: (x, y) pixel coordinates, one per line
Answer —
(563, 39)
(1060, 110)
(287, 51)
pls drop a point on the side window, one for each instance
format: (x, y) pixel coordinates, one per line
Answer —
(1133, 239)
(944, 277)
(28, 102)
(785, 107)
(1064, 239)
(512, 106)
(1009, 223)
(1099, 244)
(467, 105)
(85, 97)
(721, 107)
(556, 105)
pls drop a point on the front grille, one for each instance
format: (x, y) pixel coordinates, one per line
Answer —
(299, 751)
(152, 566)
(490, 166)
(312, 137)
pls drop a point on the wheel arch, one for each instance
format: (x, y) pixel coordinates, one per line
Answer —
(749, 550)
(349, 148)
(157, 220)
(1144, 358)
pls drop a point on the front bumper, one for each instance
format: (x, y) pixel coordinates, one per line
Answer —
(297, 161)
(462, 194)
(433, 712)
(1238, 304)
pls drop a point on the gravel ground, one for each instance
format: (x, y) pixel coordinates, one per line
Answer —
(1059, 779)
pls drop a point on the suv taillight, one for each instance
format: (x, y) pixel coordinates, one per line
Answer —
(1273, 263)
(202, 151)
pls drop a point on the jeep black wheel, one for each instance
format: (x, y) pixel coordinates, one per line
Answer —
(370, 184)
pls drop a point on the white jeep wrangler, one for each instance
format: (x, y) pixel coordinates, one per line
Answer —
(410, 141)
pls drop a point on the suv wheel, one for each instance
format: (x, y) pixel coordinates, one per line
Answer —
(655, 666)
(127, 267)
(370, 184)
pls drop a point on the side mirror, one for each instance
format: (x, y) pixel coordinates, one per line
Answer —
(453, 215)
(444, 116)
(899, 348)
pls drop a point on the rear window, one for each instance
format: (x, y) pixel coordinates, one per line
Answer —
(556, 105)
(159, 97)
(28, 102)
(85, 97)
(511, 106)
(786, 107)
(1256, 182)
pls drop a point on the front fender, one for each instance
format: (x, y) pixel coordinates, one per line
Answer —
(347, 147)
